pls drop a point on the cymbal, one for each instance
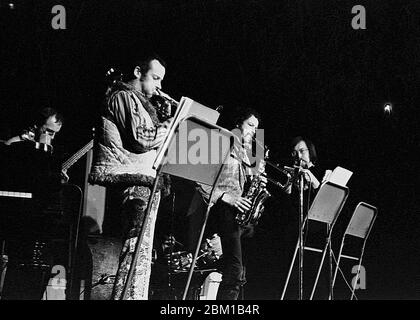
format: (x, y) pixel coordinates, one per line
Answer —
(175, 253)
(196, 269)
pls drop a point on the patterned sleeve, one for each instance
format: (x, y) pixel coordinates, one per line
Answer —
(231, 181)
(132, 123)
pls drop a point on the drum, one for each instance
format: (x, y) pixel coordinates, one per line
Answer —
(209, 255)
(210, 286)
(179, 261)
(210, 252)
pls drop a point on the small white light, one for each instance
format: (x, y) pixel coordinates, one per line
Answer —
(11, 6)
(388, 108)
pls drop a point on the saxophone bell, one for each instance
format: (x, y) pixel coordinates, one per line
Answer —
(285, 179)
(257, 193)
(287, 174)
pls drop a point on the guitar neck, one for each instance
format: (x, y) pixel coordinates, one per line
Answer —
(74, 158)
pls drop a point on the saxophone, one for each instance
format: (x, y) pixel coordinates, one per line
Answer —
(258, 194)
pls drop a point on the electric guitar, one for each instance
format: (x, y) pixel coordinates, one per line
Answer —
(74, 158)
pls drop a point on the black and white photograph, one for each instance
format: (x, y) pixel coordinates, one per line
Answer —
(209, 150)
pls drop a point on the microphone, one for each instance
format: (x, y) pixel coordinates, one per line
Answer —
(296, 160)
(289, 169)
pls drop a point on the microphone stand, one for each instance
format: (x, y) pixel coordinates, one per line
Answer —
(301, 179)
(171, 249)
(298, 176)
(301, 217)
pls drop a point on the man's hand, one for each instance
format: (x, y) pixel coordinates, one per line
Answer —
(64, 177)
(263, 180)
(310, 178)
(327, 175)
(160, 134)
(240, 203)
(167, 123)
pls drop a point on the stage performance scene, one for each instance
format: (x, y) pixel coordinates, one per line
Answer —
(209, 150)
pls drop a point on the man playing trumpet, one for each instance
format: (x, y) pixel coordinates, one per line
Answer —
(129, 134)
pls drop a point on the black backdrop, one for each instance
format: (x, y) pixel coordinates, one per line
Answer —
(299, 63)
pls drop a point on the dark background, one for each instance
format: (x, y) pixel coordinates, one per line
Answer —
(299, 63)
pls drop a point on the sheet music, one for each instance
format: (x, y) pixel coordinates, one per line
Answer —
(190, 107)
(340, 176)
(180, 113)
(187, 107)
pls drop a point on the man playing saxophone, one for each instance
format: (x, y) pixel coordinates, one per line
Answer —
(230, 193)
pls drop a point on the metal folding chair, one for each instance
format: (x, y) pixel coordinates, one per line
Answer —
(359, 226)
(325, 209)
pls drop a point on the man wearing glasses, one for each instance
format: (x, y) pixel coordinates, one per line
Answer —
(47, 124)
(31, 171)
(304, 156)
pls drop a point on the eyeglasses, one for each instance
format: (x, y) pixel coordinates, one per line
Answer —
(301, 151)
(48, 131)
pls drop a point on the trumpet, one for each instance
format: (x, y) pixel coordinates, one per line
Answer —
(167, 97)
(289, 176)
(165, 105)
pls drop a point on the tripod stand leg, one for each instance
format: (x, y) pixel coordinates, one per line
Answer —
(299, 248)
(356, 278)
(3, 265)
(319, 270)
(290, 272)
(338, 264)
(330, 278)
(197, 249)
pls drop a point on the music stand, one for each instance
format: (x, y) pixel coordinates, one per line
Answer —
(170, 160)
(325, 208)
(360, 225)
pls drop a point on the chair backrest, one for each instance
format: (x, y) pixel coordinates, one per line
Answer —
(328, 203)
(362, 220)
